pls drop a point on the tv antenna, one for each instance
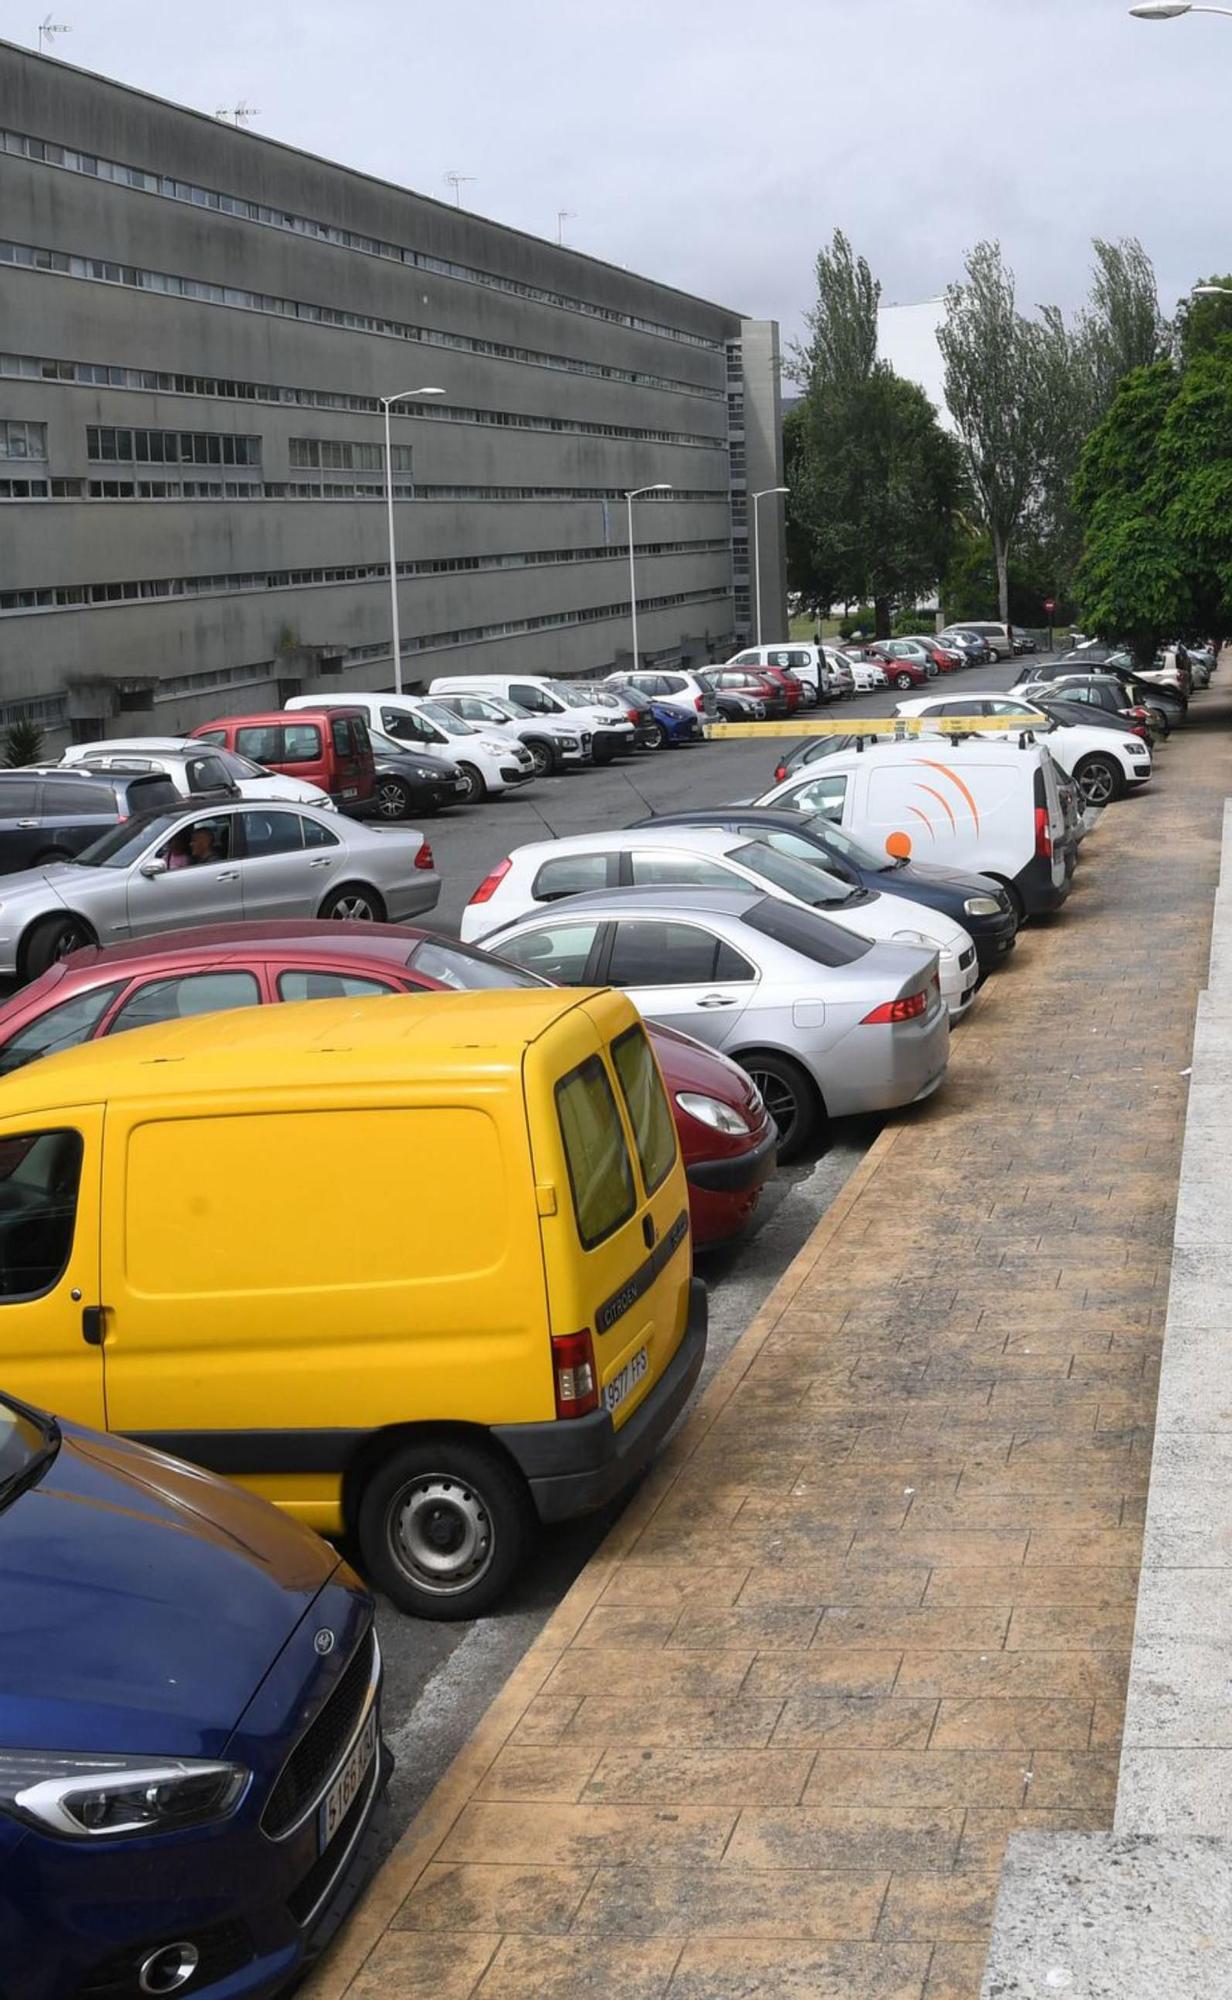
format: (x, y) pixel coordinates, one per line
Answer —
(457, 182)
(239, 114)
(48, 30)
(564, 215)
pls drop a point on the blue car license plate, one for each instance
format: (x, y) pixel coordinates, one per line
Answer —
(346, 1787)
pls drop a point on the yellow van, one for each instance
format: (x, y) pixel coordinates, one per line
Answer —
(412, 1268)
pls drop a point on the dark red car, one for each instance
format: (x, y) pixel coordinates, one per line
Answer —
(726, 1138)
(903, 662)
(948, 659)
(788, 686)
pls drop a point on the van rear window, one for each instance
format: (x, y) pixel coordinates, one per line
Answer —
(653, 1129)
(600, 1170)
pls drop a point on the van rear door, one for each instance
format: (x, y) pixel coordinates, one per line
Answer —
(613, 1203)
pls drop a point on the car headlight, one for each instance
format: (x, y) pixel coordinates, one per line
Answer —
(568, 743)
(90, 1798)
(712, 1111)
(423, 771)
(982, 906)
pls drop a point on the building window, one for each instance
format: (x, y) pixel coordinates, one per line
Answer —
(19, 439)
(108, 446)
(342, 455)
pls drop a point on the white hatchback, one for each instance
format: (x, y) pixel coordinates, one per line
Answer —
(1103, 763)
(177, 757)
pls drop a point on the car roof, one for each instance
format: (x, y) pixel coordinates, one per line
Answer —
(388, 942)
(159, 746)
(722, 816)
(272, 715)
(666, 901)
(314, 1042)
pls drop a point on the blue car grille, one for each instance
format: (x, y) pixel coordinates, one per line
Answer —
(315, 1757)
(223, 1948)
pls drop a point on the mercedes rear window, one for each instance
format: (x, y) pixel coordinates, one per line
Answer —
(803, 931)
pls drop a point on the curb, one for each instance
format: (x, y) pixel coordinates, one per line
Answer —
(453, 1790)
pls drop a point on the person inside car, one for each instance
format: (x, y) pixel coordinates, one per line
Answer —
(202, 846)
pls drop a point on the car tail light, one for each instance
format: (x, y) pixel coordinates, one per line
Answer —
(491, 883)
(699, 705)
(573, 1374)
(780, 772)
(631, 715)
(909, 1009)
(425, 857)
(1043, 834)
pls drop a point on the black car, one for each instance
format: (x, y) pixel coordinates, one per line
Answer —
(639, 707)
(1064, 709)
(979, 904)
(411, 784)
(53, 815)
(1163, 700)
(736, 704)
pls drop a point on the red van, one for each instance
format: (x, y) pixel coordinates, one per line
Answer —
(329, 747)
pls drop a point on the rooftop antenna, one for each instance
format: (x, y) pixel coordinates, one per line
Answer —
(239, 113)
(457, 182)
(48, 30)
(564, 215)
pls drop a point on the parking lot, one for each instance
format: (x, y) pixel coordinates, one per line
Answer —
(440, 1677)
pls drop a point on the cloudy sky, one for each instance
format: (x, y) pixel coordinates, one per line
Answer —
(716, 143)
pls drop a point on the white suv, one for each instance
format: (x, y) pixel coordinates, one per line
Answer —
(551, 742)
(809, 664)
(673, 687)
(490, 764)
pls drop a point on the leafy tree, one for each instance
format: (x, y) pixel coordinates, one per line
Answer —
(1124, 328)
(997, 372)
(23, 743)
(1200, 323)
(842, 326)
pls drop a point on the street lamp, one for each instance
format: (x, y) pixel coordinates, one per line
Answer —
(1171, 10)
(660, 486)
(757, 499)
(387, 403)
(1211, 291)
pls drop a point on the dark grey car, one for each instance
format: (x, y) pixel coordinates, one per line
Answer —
(52, 815)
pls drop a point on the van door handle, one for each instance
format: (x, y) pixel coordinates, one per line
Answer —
(719, 1000)
(93, 1324)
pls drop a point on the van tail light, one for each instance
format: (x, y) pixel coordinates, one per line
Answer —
(574, 1375)
(491, 883)
(891, 1011)
(1043, 834)
(425, 857)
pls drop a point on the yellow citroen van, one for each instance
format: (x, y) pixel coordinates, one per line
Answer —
(416, 1268)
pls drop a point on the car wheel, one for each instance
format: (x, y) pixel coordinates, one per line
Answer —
(50, 940)
(393, 800)
(790, 1097)
(353, 903)
(903, 681)
(442, 1527)
(542, 756)
(1099, 780)
(1160, 722)
(655, 736)
(476, 790)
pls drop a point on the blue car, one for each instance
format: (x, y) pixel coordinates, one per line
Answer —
(677, 727)
(190, 1755)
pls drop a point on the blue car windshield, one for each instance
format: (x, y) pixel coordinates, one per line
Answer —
(27, 1444)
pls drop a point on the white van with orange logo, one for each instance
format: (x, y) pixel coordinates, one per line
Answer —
(989, 806)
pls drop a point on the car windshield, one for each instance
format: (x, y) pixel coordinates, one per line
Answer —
(445, 719)
(569, 696)
(512, 709)
(845, 845)
(388, 746)
(808, 880)
(27, 1444)
(465, 971)
(123, 844)
(236, 766)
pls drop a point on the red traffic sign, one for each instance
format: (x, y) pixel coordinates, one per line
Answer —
(1050, 604)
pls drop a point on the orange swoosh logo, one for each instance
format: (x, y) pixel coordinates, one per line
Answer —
(943, 803)
(956, 780)
(924, 816)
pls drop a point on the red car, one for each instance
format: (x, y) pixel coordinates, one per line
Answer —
(726, 1137)
(788, 686)
(903, 664)
(948, 661)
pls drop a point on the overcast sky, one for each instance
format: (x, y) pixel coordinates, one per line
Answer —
(716, 143)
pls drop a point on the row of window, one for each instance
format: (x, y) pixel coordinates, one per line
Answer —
(19, 439)
(302, 489)
(105, 270)
(107, 445)
(345, 455)
(73, 161)
(59, 597)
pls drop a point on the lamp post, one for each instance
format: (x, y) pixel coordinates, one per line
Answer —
(660, 486)
(387, 403)
(1171, 10)
(757, 500)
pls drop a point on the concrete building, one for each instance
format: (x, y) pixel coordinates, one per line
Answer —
(196, 325)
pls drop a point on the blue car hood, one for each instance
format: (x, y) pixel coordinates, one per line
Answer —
(955, 879)
(143, 1602)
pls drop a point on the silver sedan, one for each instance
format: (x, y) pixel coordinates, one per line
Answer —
(215, 864)
(825, 1022)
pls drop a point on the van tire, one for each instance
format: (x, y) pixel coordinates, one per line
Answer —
(1099, 779)
(341, 903)
(49, 940)
(461, 1491)
(784, 1083)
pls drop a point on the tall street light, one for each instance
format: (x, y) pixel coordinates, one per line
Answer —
(1171, 10)
(660, 486)
(387, 403)
(757, 499)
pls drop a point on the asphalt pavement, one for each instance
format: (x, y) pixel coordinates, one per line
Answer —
(441, 1677)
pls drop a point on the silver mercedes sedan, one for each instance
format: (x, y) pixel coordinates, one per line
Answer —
(218, 863)
(826, 1023)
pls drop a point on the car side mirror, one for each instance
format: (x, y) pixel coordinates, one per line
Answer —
(153, 868)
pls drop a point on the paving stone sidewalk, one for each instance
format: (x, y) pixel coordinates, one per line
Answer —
(874, 1612)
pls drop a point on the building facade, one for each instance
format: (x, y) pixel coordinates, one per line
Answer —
(196, 324)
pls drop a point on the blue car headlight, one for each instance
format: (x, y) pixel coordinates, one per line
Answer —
(84, 1798)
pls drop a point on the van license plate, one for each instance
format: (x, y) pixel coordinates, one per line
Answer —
(345, 1789)
(622, 1386)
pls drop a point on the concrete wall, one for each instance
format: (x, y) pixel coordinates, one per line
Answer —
(204, 651)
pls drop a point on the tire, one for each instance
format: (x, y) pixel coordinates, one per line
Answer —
(476, 790)
(1160, 722)
(393, 799)
(791, 1099)
(50, 940)
(442, 1526)
(1015, 896)
(602, 753)
(656, 736)
(542, 754)
(353, 903)
(1099, 780)
(903, 681)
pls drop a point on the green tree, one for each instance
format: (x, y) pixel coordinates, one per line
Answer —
(1201, 322)
(23, 743)
(1123, 329)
